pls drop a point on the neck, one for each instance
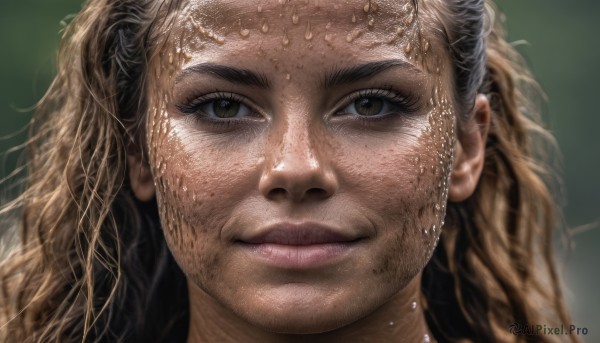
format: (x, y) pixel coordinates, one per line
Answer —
(401, 319)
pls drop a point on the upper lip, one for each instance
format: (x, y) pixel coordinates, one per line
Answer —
(306, 233)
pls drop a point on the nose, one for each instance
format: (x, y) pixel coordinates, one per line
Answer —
(297, 169)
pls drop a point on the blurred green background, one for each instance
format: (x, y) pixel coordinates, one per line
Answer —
(562, 50)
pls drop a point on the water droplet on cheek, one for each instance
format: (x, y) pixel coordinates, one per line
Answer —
(285, 41)
(367, 7)
(413, 305)
(426, 338)
(391, 323)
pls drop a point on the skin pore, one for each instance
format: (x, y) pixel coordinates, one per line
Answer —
(273, 117)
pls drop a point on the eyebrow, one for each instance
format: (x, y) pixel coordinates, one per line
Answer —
(231, 74)
(364, 71)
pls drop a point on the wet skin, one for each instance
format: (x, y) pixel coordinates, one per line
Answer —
(302, 161)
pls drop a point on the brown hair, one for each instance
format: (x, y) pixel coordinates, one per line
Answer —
(93, 264)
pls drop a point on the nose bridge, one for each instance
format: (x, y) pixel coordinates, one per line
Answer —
(297, 165)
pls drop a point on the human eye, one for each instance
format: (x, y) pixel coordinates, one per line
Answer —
(219, 105)
(377, 104)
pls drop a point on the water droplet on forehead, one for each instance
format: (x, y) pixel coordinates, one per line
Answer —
(244, 32)
(294, 16)
(371, 22)
(308, 35)
(265, 27)
(408, 48)
(367, 7)
(353, 18)
(259, 9)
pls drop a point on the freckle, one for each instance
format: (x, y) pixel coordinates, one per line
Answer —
(212, 195)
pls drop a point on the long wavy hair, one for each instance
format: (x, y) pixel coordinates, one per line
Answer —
(92, 264)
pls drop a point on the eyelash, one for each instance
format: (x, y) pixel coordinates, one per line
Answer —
(191, 109)
(405, 104)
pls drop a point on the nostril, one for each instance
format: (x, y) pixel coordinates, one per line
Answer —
(277, 193)
(316, 193)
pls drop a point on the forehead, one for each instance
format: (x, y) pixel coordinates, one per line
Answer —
(308, 30)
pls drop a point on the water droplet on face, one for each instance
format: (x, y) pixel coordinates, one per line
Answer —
(328, 26)
(408, 48)
(367, 7)
(371, 22)
(308, 35)
(288, 76)
(426, 46)
(295, 16)
(285, 41)
(391, 323)
(349, 37)
(259, 9)
(170, 58)
(265, 27)
(426, 338)
(413, 305)
(353, 18)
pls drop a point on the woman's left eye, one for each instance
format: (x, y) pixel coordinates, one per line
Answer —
(368, 106)
(374, 104)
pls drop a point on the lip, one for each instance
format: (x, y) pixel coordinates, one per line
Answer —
(300, 245)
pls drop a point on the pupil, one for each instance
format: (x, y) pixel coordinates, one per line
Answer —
(368, 106)
(226, 108)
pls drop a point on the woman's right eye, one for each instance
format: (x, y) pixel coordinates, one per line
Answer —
(224, 109)
(216, 107)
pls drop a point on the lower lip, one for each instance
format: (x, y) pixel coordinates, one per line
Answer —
(299, 256)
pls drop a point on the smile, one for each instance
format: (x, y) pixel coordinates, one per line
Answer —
(300, 246)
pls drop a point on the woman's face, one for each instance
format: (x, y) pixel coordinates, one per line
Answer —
(302, 154)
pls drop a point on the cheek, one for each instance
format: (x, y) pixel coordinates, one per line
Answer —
(196, 188)
(405, 191)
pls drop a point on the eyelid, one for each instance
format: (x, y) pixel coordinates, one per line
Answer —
(192, 104)
(408, 101)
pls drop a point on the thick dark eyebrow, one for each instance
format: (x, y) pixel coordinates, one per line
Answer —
(231, 74)
(363, 71)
